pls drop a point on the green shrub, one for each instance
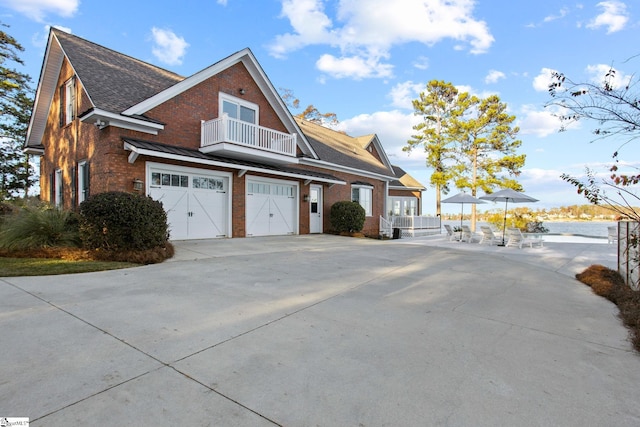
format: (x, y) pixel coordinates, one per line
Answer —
(6, 209)
(522, 220)
(347, 216)
(118, 221)
(39, 226)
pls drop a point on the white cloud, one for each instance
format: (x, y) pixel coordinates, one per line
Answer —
(541, 81)
(40, 39)
(614, 16)
(597, 74)
(394, 128)
(494, 76)
(310, 26)
(540, 123)
(422, 63)
(561, 14)
(38, 9)
(355, 29)
(403, 94)
(168, 47)
(354, 67)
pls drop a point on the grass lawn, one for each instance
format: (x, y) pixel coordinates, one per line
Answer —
(10, 267)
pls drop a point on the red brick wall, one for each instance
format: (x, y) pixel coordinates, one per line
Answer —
(183, 114)
(67, 145)
(339, 193)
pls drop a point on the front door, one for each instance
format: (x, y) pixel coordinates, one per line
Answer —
(315, 209)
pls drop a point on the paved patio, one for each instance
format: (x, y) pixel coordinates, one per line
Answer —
(321, 330)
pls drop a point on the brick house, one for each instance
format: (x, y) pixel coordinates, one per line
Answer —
(219, 148)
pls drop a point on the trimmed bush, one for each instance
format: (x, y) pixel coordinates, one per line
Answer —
(39, 226)
(120, 222)
(347, 216)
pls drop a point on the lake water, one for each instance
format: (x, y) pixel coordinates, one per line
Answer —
(586, 228)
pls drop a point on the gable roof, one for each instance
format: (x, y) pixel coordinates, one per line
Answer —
(341, 150)
(113, 81)
(122, 88)
(405, 181)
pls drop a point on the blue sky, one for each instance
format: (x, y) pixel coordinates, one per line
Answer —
(365, 60)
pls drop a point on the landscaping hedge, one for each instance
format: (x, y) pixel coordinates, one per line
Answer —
(118, 221)
(347, 216)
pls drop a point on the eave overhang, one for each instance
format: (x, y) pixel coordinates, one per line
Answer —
(136, 151)
(340, 168)
(102, 119)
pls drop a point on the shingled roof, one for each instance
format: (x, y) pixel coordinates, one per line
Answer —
(404, 180)
(341, 149)
(113, 81)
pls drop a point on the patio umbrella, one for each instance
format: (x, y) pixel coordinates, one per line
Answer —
(508, 195)
(462, 198)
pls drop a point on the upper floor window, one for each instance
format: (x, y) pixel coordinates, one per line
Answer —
(239, 109)
(363, 194)
(67, 102)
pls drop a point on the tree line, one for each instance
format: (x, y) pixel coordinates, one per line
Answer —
(573, 212)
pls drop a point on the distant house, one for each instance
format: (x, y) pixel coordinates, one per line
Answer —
(219, 148)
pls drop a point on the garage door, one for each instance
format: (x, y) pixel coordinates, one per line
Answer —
(271, 207)
(196, 201)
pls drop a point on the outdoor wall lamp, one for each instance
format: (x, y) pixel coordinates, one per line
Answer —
(242, 91)
(137, 185)
(305, 197)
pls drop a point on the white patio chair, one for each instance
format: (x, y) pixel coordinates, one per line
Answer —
(468, 235)
(451, 235)
(488, 236)
(516, 238)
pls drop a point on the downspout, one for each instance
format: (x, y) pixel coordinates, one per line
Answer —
(386, 198)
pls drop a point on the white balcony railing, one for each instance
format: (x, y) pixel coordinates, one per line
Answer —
(228, 130)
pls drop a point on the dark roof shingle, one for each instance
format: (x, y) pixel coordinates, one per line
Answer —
(340, 149)
(114, 81)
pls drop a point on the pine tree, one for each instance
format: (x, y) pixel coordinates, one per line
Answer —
(16, 101)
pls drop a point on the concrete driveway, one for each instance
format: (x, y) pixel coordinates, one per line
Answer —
(315, 331)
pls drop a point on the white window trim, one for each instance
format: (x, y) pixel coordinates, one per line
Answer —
(230, 98)
(58, 188)
(80, 181)
(402, 200)
(368, 207)
(69, 101)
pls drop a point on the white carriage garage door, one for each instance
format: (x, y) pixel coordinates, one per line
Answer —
(196, 201)
(272, 207)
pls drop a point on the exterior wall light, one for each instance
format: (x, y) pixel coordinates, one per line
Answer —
(137, 185)
(305, 197)
(242, 91)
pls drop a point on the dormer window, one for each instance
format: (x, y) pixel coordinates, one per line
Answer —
(67, 102)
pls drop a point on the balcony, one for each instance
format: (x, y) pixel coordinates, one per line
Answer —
(235, 138)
